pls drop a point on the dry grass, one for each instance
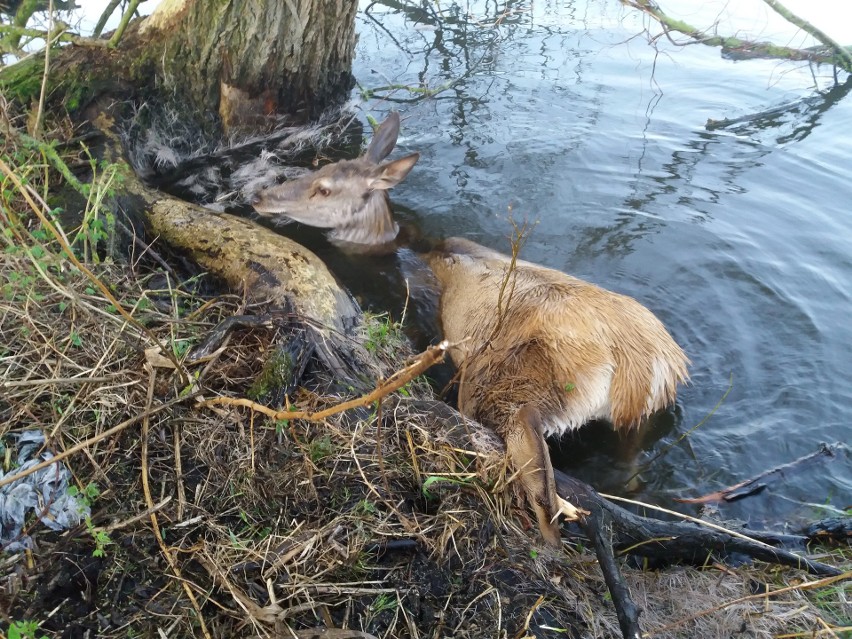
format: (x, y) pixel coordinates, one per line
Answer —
(266, 529)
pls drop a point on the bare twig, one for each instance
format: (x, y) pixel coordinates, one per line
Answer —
(131, 520)
(43, 94)
(758, 483)
(423, 362)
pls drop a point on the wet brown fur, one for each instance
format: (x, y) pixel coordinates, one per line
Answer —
(548, 355)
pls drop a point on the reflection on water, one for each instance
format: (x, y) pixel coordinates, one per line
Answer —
(733, 233)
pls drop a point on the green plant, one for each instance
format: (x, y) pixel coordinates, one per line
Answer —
(832, 600)
(97, 227)
(86, 498)
(365, 507)
(382, 333)
(383, 602)
(24, 630)
(433, 479)
(320, 448)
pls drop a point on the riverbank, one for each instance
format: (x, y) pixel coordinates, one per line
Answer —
(217, 521)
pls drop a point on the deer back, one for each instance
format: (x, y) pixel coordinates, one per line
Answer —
(530, 334)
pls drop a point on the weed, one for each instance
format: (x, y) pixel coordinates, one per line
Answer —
(434, 479)
(365, 507)
(86, 498)
(321, 448)
(833, 600)
(24, 630)
(383, 335)
(383, 602)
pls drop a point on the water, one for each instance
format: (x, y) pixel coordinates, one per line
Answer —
(736, 237)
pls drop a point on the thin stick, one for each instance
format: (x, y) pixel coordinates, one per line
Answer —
(43, 93)
(425, 360)
(56, 381)
(694, 520)
(131, 520)
(181, 505)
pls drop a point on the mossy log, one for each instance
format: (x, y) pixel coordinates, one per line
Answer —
(251, 258)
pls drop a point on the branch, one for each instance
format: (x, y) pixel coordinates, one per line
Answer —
(839, 55)
(807, 27)
(125, 19)
(670, 540)
(423, 362)
(105, 16)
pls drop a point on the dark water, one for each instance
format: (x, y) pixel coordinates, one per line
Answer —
(738, 237)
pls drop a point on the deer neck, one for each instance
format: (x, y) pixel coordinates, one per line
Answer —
(371, 224)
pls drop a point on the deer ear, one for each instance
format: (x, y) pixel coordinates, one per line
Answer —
(390, 174)
(384, 139)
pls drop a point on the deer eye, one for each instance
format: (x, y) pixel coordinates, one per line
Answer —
(323, 190)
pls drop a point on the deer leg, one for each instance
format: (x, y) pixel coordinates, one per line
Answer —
(529, 456)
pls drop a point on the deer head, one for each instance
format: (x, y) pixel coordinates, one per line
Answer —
(349, 196)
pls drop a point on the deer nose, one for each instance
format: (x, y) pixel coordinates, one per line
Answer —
(255, 199)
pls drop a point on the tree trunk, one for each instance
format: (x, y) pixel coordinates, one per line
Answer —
(250, 59)
(229, 64)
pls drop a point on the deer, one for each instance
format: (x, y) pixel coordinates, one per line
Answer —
(538, 352)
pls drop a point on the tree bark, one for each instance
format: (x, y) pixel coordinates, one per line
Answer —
(247, 60)
(232, 65)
